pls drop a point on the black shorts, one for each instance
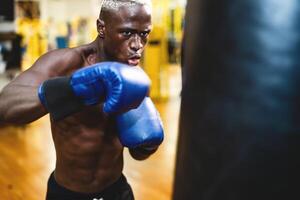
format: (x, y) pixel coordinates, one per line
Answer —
(120, 190)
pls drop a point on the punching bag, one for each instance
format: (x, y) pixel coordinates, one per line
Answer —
(240, 110)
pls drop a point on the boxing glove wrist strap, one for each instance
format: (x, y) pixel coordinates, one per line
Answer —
(58, 97)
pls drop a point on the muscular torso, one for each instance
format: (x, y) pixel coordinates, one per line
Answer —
(89, 153)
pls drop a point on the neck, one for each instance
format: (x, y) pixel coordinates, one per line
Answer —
(93, 52)
(98, 45)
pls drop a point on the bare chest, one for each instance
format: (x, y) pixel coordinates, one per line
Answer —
(87, 131)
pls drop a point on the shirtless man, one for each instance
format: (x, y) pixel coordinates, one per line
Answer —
(91, 113)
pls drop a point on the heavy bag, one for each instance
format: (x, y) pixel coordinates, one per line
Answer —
(240, 111)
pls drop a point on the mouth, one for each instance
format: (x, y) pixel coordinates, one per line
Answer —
(134, 60)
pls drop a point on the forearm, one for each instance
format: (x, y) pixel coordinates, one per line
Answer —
(19, 104)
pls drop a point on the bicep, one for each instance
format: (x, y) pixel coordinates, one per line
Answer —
(19, 102)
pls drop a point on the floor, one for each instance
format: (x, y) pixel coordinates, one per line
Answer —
(27, 155)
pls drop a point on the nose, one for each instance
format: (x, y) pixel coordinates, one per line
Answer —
(136, 43)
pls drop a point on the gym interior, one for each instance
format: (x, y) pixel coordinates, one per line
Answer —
(224, 78)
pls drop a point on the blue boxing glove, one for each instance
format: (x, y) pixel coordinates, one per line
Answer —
(141, 126)
(119, 86)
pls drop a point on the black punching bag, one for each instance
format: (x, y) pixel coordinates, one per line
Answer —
(240, 112)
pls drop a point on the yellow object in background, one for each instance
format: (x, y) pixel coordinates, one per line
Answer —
(34, 41)
(156, 55)
(84, 31)
(178, 22)
(155, 62)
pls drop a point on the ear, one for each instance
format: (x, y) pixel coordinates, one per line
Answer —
(101, 28)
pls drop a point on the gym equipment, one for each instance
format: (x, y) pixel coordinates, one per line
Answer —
(239, 122)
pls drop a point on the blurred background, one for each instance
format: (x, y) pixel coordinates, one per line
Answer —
(29, 29)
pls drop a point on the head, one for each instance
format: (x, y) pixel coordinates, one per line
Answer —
(123, 28)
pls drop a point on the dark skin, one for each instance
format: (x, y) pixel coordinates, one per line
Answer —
(89, 153)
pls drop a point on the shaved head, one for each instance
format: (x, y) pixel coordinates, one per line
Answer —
(114, 5)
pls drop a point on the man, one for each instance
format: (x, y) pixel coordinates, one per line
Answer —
(84, 97)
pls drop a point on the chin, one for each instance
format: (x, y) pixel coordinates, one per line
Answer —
(133, 62)
(136, 64)
(129, 62)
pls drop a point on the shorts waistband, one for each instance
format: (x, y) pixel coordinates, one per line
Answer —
(54, 190)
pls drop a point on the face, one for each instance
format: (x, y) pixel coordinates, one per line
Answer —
(126, 33)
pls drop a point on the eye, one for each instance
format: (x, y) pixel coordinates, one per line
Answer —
(144, 34)
(126, 33)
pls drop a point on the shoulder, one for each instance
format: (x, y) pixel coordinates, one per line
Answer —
(59, 62)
